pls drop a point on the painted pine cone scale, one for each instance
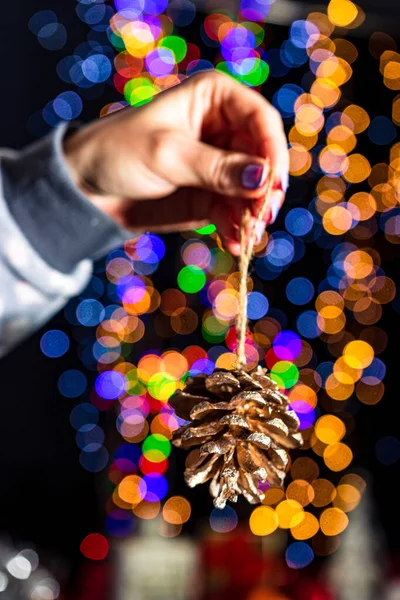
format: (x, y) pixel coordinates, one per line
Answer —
(242, 428)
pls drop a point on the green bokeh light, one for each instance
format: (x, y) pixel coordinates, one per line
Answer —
(134, 386)
(139, 91)
(176, 44)
(161, 386)
(222, 261)
(285, 374)
(206, 230)
(213, 331)
(156, 447)
(191, 279)
(257, 76)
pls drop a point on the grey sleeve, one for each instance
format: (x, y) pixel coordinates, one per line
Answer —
(49, 235)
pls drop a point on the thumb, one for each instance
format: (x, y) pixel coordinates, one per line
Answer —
(221, 171)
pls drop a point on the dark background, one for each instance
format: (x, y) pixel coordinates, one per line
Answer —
(45, 495)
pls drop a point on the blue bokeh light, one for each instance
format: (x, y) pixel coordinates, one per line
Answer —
(72, 383)
(382, 131)
(96, 68)
(157, 487)
(299, 221)
(94, 461)
(90, 440)
(223, 521)
(257, 305)
(110, 384)
(299, 291)
(307, 324)
(299, 555)
(54, 343)
(84, 416)
(90, 312)
(68, 106)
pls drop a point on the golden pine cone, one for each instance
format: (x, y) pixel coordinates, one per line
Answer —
(241, 423)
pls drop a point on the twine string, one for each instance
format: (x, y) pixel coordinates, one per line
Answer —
(247, 240)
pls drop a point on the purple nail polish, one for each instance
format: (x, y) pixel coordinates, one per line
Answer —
(252, 176)
(275, 206)
(284, 180)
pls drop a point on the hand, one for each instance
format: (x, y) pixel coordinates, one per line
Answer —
(193, 156)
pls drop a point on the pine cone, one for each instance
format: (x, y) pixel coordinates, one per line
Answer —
(243, 428)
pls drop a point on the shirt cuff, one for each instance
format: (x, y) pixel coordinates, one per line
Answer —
(58, 220)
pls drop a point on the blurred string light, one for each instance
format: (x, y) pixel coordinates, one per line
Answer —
(353, 200)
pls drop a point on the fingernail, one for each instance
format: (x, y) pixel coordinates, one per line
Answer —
(253, 176)
(260, 228)
(283, 182)
(275, 206)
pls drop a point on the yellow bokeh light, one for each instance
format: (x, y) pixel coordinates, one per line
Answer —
(161, 386)
(358, 264)
(348, 497)
(146, 510)
(396, 108)
(333, 521)
(149, 365)
(337, 456)
(132, 489)
(263, 520)
(330, 429)
(370, 394)
(358, 116)
(326, 91)
(174, 363)
(303, 393)
(307, 141)
(342, 136)
(337, 220)
(358, 354)
(324, 492)
(226, 304)
(305, 468)
(365, 204)
(300, 160)
(355, 481)
(323, 24)
(290, 513)
(333, 159)
(335, 69)
(273, 495)
(344, 373)
(138, 307)
(392, 58)
(227, 360)
(331, 325)
(329, 299)
(346, 50)
(342, 12)
(367, 311)
(301, 491)
(176, 510)
(309, 119)
(358, 168)
(307, 528)
(138, 38)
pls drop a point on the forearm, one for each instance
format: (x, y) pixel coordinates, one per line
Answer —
(49, 235)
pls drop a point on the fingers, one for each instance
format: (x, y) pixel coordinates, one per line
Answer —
(184, 210)
(244, 109)
(188, 162)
